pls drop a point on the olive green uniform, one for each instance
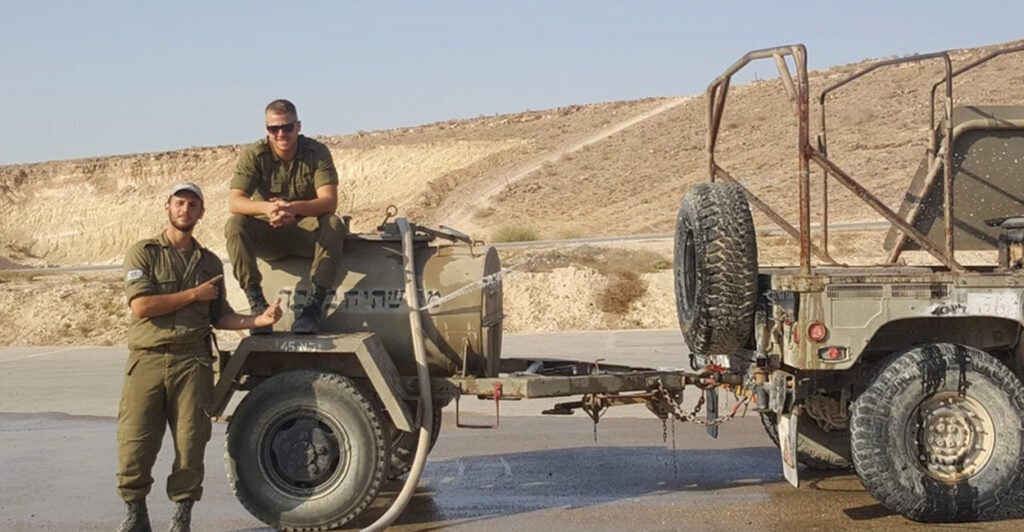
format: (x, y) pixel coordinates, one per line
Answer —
(262, 175)
(169, 375)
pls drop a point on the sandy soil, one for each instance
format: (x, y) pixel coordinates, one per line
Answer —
(615, 168)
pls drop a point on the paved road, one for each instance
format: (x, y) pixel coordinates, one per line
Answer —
(653, 237)
(535, 472)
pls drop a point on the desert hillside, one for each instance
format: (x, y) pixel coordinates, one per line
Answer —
(605, 169)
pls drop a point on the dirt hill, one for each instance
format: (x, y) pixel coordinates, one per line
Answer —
(605, 169)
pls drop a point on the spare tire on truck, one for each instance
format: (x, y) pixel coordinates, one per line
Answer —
(715, 268)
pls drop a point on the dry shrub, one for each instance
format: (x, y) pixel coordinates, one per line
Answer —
(515, 233)
(623, 288)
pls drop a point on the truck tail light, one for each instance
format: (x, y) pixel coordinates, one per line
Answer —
(832, 354)
(817, 331)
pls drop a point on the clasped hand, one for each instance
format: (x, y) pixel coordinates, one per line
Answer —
(280, 213)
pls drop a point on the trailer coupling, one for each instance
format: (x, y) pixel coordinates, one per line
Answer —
(605, 386)
(661, 402)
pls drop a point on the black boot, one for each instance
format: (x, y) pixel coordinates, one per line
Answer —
(181, 521)
(257, 305)
(312, 314)
(137, 519)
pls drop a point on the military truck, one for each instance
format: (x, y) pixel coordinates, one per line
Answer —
(909, 374)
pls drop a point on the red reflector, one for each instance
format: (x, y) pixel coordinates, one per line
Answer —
(832, 354)
(817, 331)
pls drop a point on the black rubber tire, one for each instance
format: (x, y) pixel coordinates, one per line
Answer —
(404, 444)
(307, 450)
(974, 470)
(816, 449)
(715, 269)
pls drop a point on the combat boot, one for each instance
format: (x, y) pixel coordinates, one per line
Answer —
(181, 521)
(312, 314)
(257, 305)
(137, 519)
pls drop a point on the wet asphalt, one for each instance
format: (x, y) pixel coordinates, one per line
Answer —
(628, 472)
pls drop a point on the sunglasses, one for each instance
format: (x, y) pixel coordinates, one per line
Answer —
(287, 128)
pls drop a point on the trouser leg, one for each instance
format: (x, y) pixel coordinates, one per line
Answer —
(330, 242)
(328, 234)
(140, 424)
(190, 390)
(322, 238)
(242, 234)
(249, 238)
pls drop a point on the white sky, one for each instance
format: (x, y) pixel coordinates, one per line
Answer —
(83, 79)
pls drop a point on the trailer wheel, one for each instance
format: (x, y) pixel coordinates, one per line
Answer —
(937, 437)
(816, 449)
(403, 444)
(715, 268)
(306, 450)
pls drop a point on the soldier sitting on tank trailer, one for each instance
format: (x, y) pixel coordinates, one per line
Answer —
(283, 197)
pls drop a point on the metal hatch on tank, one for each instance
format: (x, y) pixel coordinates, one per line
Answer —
(463, 318)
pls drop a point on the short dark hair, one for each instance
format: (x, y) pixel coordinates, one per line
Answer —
(282, 107)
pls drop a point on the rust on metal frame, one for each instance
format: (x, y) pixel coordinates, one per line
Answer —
(885, 211)
(950, 135)
(944, 256)
(797, 92)
(775, 217)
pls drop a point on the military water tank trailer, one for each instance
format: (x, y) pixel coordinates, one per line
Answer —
(416, 319)
(329, 418)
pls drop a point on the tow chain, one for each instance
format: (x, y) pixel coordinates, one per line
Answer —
(682, 415)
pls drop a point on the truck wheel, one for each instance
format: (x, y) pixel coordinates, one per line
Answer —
(403, 444)
(816, 449)
(937, 437)
(306, 450)
(715, 268)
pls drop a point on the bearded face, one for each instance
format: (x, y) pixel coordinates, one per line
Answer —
(184, 210)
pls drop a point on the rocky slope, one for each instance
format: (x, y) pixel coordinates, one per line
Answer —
(560, 173)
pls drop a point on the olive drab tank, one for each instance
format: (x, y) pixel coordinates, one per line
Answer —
(463, 316)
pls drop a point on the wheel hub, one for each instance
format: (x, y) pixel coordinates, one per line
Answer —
(953, 435)
(304, 452)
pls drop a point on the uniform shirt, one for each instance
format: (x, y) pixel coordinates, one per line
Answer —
(153, 267)
(263, 175)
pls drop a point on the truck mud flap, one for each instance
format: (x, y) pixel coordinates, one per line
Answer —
(787, 446)
(711, 409)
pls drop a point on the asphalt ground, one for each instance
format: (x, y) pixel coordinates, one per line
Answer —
(628, 472)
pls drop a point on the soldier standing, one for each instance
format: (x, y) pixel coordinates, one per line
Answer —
(175, 289)
(283, 198)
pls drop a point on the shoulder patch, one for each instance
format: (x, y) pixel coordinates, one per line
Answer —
(132, 275)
